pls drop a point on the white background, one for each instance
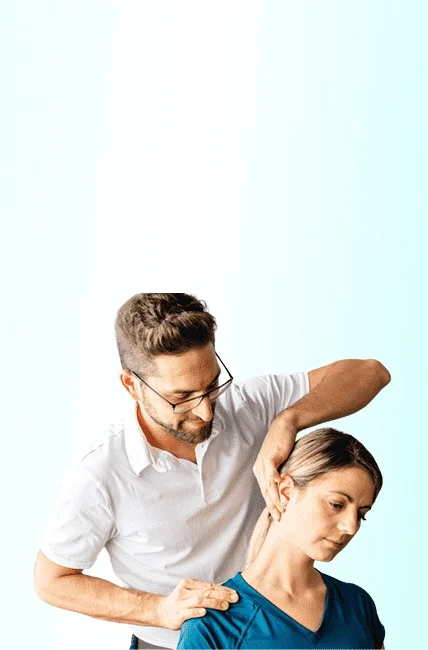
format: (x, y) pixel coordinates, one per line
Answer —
(270, 157)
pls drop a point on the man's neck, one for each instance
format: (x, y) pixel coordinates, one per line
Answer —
(160, 438)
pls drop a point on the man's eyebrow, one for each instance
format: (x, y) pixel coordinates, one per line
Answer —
(350, 499)
(178, 391)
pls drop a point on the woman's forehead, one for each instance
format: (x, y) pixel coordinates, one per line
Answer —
(354, 482)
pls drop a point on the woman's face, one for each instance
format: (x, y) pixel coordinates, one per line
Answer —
(322, 518)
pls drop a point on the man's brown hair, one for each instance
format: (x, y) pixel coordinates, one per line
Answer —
(150, 324)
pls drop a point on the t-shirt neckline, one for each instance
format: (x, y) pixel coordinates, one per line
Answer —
(264, 603)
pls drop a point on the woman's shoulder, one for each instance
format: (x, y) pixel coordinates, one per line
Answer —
(348, 590)
(358, 603)
(219, 628)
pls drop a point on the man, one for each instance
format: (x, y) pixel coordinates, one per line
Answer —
(172, 493)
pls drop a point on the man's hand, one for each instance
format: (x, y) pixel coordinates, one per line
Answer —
(336, 390)
(274, 451)
(190, 599)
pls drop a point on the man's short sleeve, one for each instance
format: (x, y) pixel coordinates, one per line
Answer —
(82, 521)
(268, 395)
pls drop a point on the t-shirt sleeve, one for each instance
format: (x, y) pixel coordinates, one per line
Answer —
(196, 635)
(378, 630)
(82, 521)
(268, 395)
(366, 609)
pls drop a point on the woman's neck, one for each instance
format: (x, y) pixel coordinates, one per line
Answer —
(283, 567)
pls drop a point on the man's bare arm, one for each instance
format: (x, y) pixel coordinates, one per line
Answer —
(71, 589)
(336, 390)
(339, 389)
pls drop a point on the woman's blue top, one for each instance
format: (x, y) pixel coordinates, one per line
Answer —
(350, 620)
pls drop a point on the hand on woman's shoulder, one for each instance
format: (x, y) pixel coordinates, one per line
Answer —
(218, 628)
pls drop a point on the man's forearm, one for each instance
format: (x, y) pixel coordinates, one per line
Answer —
(347, 386)
(101, 599)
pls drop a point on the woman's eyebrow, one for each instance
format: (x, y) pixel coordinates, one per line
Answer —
(350, 499)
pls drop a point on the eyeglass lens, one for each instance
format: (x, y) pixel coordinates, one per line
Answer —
(191, 404)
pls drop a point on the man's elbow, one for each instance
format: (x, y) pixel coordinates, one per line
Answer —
(42, 583)
(381, 373)
(39, 585)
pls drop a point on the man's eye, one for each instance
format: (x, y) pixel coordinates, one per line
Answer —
(362, 517)
(337, 506)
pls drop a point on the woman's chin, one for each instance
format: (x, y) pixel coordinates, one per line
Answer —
(324, 555)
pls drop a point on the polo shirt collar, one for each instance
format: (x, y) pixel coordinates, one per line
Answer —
(137, 449)
(141, 454)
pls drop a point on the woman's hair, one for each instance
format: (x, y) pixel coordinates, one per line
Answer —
(150, 324)
(317, 453)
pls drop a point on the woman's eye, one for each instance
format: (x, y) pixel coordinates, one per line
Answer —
(362, 517)
(337, 506)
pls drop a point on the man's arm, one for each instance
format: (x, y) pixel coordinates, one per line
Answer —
(336, 390)
(71, 589)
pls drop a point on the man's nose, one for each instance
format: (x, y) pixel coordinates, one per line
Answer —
(204, 410)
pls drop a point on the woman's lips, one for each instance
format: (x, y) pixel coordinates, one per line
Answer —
(335, 544)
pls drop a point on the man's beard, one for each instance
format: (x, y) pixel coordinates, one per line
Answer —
(193, 437)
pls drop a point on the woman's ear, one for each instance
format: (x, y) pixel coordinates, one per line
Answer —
(285, 487)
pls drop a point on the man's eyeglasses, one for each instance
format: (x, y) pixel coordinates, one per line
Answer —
(192, 402)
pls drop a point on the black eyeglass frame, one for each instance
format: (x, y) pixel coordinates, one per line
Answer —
(189, 399)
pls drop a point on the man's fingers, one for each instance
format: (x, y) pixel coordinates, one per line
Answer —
(210, 603)
(221, 594)
(274, 491)
(275, 507)
(271, 506)
(271, 494)
(195, 612)
(211, 590)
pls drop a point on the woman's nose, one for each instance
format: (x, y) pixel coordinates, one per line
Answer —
(349, 523)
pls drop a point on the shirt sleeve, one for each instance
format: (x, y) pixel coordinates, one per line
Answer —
(82, 521)
(194, 634)
(377, 629)
(269, 395)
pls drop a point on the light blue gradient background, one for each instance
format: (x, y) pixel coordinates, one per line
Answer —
(270, 157)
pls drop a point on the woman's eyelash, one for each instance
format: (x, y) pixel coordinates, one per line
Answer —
(339, 506)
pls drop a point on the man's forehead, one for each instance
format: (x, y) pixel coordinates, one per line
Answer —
(182, 370)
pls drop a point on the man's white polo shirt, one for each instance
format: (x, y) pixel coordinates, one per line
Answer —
(162, 518)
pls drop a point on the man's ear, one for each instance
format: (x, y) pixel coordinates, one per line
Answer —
(285, 486)
(128, 380)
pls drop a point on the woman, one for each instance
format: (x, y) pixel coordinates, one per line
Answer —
(328, 484)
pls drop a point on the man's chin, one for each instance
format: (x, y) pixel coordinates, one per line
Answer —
(194, 435)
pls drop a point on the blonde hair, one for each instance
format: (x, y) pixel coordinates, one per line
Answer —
(317, 453)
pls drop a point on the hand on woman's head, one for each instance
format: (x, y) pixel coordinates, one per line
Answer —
(322, 517)
(329, 481)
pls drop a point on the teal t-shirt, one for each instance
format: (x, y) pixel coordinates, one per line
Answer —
(350, 620)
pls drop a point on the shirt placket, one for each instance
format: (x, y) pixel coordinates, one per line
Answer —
(209, 492)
